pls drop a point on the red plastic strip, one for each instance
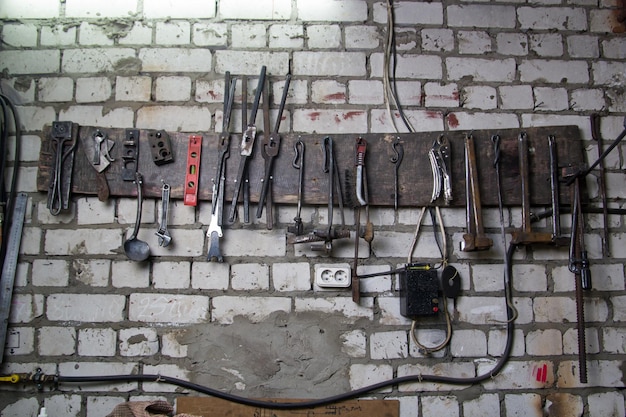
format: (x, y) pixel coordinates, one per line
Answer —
(193, 170)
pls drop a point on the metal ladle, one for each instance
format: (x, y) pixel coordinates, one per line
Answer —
(137, 250)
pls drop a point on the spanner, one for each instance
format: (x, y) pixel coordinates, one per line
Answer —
(164, 236)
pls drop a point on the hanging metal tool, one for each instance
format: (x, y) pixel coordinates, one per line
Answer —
(525, 235)
(439, 156)
(597, 136)
(63, 144)
(557, 238)
(163, 234)
(214, 231)
(475, 239)
(298, 163)
(242, 183)
(104, 158)
(396, 160)
(321, 239)
(269, 150)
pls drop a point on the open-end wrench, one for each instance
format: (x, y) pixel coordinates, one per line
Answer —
(163, 234)
(525, 235)
(475, 238)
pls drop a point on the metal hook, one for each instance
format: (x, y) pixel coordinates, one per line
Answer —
(398, 151)
(327, 146)
(298, 149)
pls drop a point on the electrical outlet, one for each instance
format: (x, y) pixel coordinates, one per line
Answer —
(333, 276)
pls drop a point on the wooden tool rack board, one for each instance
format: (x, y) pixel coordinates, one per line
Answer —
(415, 178)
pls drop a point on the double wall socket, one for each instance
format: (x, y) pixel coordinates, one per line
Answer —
(333, 276)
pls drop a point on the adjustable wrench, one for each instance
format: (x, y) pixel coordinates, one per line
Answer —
(525, 235)
(164, 236)
(475, 238)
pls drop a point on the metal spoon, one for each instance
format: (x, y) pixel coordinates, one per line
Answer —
(137, 250)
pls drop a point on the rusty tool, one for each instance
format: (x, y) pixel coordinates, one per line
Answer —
(63, 144)
(525, 235)
(164, 237)
(298, 163)
(269, 150)
(597, 136)
(242, 182)
(439, 156)
(557, 238)
(396, 160)
(103, 158)
(475, 239)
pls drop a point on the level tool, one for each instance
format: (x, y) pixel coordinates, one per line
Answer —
(10, 265)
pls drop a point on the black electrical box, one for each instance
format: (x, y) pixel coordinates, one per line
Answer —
(419, 291)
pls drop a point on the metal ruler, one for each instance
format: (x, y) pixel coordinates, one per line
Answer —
(10, 266)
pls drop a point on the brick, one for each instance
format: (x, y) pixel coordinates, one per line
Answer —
(479, 97)
(480, 310)
(95, 59)
(32, 118)
(19, 341)
(546, 44)
(406, 39)
(362, 375)
(58, 35)
(409, 93)
(468, 343)
(98, 368)
(588, 99)
(530, 403)
(56, 341)
(173, 33)
(551, 120)
(250, 277)
(377, 284)
(496, 343)
(136, 88)
(22, 89)
(97, 342)
(554, 71)
(168, 308)
(458, 369)
(443, 406)
(173, 88)
(422, 121)
(606, 72)
(602, 373)
(570, 341)
(354, 343)
(90, 210)
(127, 274)
(530, 278)
(583, 46)
(259, 10)
(19, 35)
(441, 95)
(140, 33)
(64, 242)
(410, 13)
(481, 16)
(389, 345)
(291, 276)
(515, 44)
(469, 121)
(175, 118)
(97, 308)
(30, 61)
(247, 62)
(330, 121)
(255, 309)
(87, 115)
(175, 9)
(210, 276)
(31, 9)
(286, 36)
(31, 241)
(362, 37)
(481, 69)
(324, 36)
(175, 59)
(605, 20)
(209, 34)
(544, 342)
(520, 375)
(555, 18)
(437, 40)
(50, 273)
(171, 275)
(332, 10)
(91, 34)
(561, 309)
(409, 66)
(473, 42)
(253, 243)
(23, 406)
(614, 48)
(619, 308)
(92, 90)
(138, 342)
(172, 347)
(485, 405)
(331, 305)
(390, 312)
(329, 63)
(613, 340)
(249, 36)
(113, 8)
(63, 405)
(606, 404)
(328, 92)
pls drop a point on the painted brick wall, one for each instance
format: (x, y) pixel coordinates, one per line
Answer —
(81, 308)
